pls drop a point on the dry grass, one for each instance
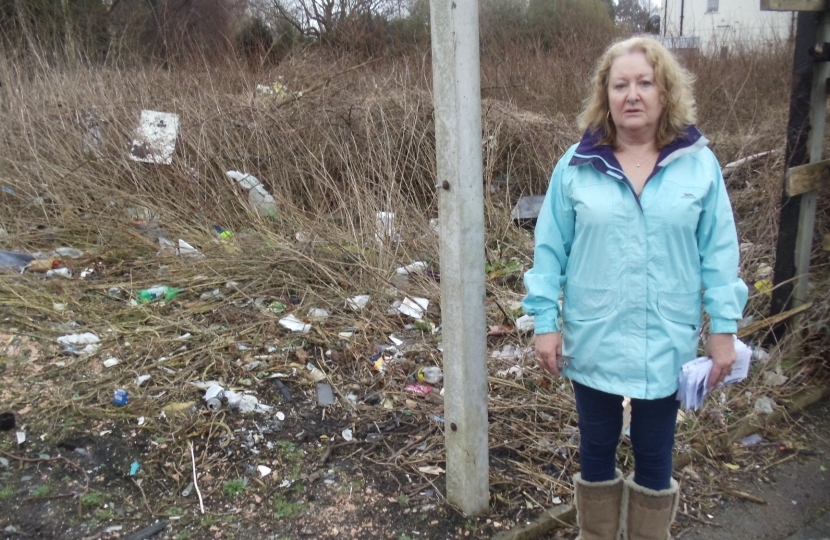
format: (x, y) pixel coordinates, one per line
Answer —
(360, 143)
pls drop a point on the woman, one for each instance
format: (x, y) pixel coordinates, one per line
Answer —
(637, 229)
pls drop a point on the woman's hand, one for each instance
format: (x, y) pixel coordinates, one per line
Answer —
(548, 351)
(721, 349)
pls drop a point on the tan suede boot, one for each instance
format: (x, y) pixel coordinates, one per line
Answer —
(649, 514)
(598, 507)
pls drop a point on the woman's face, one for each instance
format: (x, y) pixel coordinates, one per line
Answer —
(633, 97)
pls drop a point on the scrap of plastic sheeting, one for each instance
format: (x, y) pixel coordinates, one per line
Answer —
(772, 378)
(397, 342)
(413, 268)
(293, 324)
(263, 471)
(414, 307)
(525, 323)
(90, 340)
(317, 314)
(110, 362)
(15, 259)
(516, 371)
(508, 352)
(347, 435)
(385, 227)
(527, 208)
(187, 250)
(431, 469)
(764, 405)
(358, 302)
(155, 138)
(141, 379)
(325, 395)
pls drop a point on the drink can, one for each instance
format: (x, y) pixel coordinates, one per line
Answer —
(120, 398)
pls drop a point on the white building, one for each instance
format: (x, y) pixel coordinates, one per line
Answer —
(717, 25)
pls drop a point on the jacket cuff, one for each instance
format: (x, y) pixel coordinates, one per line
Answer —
(722, 326)
(545, 325)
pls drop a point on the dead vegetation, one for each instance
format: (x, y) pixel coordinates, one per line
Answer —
(347, 141)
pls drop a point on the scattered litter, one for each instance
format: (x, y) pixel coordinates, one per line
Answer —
(263, 471)
(114, 292)
(525, 323)
(385, 228)
(293, 324)
(414, 307)
(325, 395)
(134, 467)
(286, 394)
(358, 302)
(316, 373)
(59, 272)
(120, 397)
(157, 292)
(213, 398)
(429, 374)
(764, 286)
(752, 440)
(113, 528)
(141, 420)
(155, 138)
(764, 405)
(526, 211)
(508, 352)
(88, 273)
(69, 253)
(259, 200)
(70, 342)
(280, 416)
(347, 435)
(215, 294)
(515, 371)
(15, 259)
(397, 342)
(759, 354)
(773, 378)
(187, 250)
(431, 469)
(188, 490)
(346, 334)
(184, 337)
(413, 268)
(7, 421)
(317, 315)
(141, 379)
(21, 437)
(419, 389)
(181, 407)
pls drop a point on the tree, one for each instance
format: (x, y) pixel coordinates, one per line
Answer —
(632, 14)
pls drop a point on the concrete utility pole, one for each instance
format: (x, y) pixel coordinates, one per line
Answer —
(457, 93)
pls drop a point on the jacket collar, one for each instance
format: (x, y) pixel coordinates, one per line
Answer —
(602, 157)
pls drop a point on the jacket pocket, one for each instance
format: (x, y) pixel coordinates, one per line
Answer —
(583, 303)
(681, 308)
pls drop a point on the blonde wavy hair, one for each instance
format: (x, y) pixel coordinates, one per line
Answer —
(673, 82)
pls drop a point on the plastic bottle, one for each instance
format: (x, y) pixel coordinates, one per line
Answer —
(259, 200)
(431, 374)
(159, 292)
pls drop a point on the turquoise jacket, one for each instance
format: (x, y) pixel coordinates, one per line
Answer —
(635, 270)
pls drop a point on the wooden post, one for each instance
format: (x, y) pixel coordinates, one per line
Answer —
(798, 131)
(457, 93)
(807, 213)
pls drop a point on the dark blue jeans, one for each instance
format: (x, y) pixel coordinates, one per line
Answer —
(652, 436)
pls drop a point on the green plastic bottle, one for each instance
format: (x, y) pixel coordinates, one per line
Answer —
(158, 293)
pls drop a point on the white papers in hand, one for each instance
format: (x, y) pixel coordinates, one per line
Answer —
(694, 376)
